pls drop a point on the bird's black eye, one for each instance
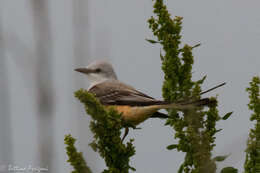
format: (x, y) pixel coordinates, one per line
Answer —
(98, 70)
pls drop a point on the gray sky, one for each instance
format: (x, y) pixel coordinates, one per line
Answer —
(229, 32)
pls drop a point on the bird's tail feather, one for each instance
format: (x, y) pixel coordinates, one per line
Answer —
(184, 104)
(187, 105)
(201, 102)
(190, 104)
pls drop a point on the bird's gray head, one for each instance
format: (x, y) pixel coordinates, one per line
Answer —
(98, 71)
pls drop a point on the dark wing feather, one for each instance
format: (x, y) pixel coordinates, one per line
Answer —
(113, 92)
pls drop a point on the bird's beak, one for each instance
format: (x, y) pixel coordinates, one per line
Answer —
(84, 70)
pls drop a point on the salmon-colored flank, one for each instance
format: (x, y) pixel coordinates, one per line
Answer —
(136, 114)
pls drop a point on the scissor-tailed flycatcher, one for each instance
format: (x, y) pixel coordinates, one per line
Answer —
(134, 105)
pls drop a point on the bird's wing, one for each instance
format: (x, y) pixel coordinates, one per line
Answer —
(114, 92)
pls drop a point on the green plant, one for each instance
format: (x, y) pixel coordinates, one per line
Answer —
(194, 129)
(75, 158)
(106, 126)
(252, 163)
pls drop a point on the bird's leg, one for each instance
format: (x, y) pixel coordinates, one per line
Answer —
(125, 134)
(127, 125)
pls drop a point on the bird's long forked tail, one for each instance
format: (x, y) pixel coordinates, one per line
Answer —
(184, 106)
(191, 104)
(196, 103)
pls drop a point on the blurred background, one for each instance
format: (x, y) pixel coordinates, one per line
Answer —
(42, 41)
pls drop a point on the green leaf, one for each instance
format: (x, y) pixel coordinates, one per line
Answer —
(197, 45)
(132, 168)
(225, 117)
(229, 170)
(220, 158)
(171, 147)
(181, 168)
(202, 80)
(218, 130)
(152, 41)
(161, 56)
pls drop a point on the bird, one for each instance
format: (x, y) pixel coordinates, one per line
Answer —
(135, 106)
